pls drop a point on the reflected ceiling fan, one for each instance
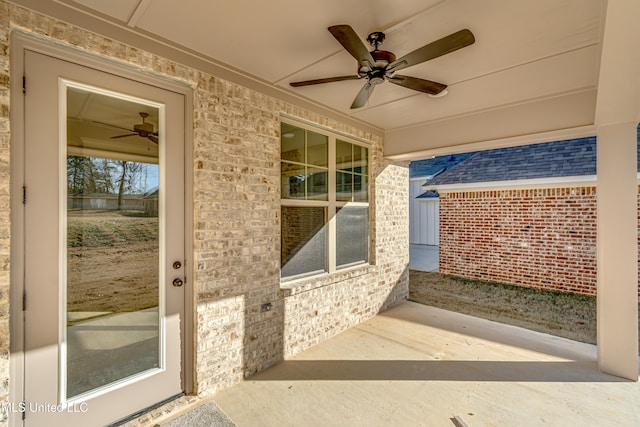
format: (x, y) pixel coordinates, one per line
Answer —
(378, 66)
(143, 130)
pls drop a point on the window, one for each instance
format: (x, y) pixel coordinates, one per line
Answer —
(304, 166)
(324, 202)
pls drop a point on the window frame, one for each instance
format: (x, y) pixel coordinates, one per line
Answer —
(331, 204)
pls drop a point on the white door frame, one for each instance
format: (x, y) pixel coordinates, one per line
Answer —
(20, 42)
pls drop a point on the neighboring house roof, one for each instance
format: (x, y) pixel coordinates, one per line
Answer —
(435, 165)
(558, 159)
(574, 157)
(151, 193)
(429, 195)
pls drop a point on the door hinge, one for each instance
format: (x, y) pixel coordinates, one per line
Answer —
(24, 195)
(24, 301)
(24, 85)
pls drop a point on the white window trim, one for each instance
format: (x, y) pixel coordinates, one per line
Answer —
(331, 204)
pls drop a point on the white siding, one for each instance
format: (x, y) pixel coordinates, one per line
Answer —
(424, 216)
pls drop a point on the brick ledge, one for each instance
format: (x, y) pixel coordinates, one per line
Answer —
(306, 284)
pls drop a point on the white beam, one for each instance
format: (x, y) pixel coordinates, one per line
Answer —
(500, 127)
(617, 113)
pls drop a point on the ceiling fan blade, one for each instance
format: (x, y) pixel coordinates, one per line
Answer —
(111, 125)
(352, 43)
(448, 44)
(326, 80)
(363, 96)
(124, 136)
(153, 139)
(422, 85)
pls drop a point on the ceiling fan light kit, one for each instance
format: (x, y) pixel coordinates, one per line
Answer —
(378, 66)
(438, 95)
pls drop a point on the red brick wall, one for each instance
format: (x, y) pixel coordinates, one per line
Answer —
(542, 238)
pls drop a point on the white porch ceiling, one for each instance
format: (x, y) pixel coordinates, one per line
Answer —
(525, 51)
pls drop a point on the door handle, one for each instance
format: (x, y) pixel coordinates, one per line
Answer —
(177, 282)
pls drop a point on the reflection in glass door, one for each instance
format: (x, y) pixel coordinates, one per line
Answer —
(112, 240)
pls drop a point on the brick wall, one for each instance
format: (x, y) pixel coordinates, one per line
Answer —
(236, 221)
(541, 238)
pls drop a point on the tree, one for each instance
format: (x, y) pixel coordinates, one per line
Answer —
(89, 175)
(129, 175)
(123, 177)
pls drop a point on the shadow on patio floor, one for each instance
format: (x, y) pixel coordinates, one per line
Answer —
(435, 370)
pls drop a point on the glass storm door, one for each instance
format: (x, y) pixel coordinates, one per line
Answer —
(104, 238)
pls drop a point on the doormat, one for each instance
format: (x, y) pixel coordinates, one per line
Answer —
(208, 414)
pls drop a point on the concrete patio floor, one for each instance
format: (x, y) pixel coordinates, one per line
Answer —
(415, 365)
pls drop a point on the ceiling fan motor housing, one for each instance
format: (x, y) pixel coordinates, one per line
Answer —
(143, 128)
(382, 58)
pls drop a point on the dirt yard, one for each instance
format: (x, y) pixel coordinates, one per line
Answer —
(112, 261)
(561, 314)
(556, 313)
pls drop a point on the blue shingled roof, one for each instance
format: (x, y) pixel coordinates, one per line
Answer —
(429, 195)
(435, 165)
(573, 157)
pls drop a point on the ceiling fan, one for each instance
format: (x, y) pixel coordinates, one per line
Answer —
(143, 130)
(378, 66)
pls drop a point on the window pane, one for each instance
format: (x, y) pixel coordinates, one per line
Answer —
(344, 156)
(317, 149)
(292, 143)
(113, 244)
(316, 180)
(344, 186)
(292, 181)
(303, 246)
(360, 159)
(360, 189)
(352, 235)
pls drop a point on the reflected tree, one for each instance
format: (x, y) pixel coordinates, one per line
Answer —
(89, 175)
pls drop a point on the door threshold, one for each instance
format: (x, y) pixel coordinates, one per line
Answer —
(140, 413)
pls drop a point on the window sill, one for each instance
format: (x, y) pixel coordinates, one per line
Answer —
(297, 286)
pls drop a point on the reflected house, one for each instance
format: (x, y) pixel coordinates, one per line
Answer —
(150, 202)
(108, 201)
